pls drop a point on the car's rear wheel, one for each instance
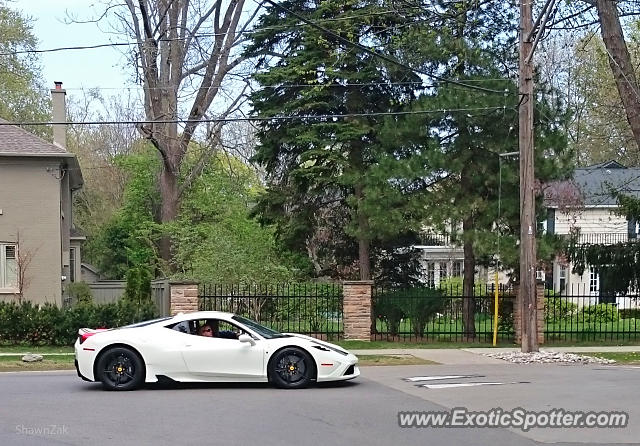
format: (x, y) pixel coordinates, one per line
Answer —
(120, 368)
(291, 368)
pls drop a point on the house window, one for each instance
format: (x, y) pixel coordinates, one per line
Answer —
(72, 264)
(443, 270)
(8, 266)
(594, 282)
(562, 277)
(457, 269)
(431, 274)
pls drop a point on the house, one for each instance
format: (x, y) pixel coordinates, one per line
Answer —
(586, 206)
(441, 257)
(39, 248)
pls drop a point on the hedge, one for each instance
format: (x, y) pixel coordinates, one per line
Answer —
(49, 324)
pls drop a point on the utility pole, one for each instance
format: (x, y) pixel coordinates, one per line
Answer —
(528, 304)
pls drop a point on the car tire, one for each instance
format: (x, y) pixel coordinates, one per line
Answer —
(120, 368)
(291, 368)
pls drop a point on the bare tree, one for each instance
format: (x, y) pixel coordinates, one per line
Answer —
(620, 61)
(24, 257)
(184, 55)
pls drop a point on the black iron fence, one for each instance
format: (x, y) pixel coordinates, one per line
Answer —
(313, 309)
(442, 314)
(586, 314)
(422, 314)
(432, 239)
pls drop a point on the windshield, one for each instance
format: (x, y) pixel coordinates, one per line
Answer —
(260, 329)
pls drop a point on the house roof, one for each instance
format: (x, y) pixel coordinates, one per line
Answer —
(17, 141)
(595, 185)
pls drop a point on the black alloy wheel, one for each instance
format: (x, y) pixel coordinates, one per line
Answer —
(291, 368)
(120, 368)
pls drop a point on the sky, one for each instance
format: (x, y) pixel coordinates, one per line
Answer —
(77, 69)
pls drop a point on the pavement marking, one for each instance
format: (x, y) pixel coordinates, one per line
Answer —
(440, 377)
(453, 385)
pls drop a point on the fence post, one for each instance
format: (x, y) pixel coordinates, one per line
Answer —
(517, 317)
(357, 309)
(183, 296)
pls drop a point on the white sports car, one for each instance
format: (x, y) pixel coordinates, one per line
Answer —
(207, 346)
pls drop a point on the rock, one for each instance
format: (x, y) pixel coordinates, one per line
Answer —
(31, 357)
(547, 357)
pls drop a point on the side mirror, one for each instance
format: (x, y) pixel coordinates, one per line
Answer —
(246, 338)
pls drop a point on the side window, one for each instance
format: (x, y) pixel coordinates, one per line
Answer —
(216, 328)
(182, 327)
(228, 331)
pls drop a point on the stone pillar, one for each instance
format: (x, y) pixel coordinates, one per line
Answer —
(517, 316)
(183, 297)
(357, 309)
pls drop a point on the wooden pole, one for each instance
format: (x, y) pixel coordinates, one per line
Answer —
(528, 305)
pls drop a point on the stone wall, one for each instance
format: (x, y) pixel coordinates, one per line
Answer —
(357, 309)
(517, 315)
(184, 297)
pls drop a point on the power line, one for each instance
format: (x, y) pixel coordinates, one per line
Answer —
(196, 36)
(377, 54)
(306, 21)
(256, 118)
(421, 84)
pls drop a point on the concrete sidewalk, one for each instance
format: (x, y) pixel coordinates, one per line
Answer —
(450, 356)
(468, 356)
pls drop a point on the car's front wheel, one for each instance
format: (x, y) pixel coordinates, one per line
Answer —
(120, 368)
(291, 368)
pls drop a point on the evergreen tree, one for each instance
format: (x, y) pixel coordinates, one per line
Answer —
(469, 43)
(326, 172)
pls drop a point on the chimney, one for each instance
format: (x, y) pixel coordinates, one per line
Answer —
(59, 115)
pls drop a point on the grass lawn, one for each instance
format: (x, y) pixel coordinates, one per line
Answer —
(619, 357)
(373, 360)
(39, 349)
(15, 364)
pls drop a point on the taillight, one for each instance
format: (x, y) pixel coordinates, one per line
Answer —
(86, 336)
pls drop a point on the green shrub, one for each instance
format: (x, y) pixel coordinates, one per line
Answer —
(388, 308)
(79, 292)
(423, 305)
(629, 313)
(138, 287)
(48, 324)
(319, 308)
(601, 313)
(505, 312)
(420, 305)
(558, 309)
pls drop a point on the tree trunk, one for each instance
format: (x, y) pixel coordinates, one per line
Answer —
(468, 301)
(169, 210)
(620, 62)
(364, 260)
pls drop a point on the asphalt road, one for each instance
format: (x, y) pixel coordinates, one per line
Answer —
(58, 408)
